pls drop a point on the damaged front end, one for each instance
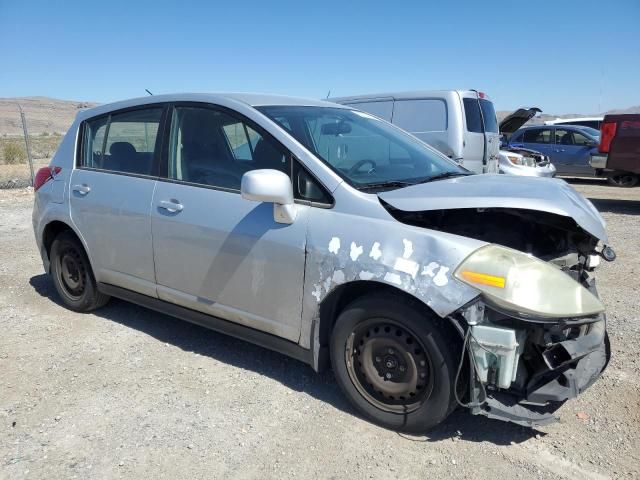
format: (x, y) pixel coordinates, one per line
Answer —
(536, 334)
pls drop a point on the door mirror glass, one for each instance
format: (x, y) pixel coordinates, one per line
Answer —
(267, 185)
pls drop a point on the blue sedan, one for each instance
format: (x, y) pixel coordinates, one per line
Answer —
(568, 146)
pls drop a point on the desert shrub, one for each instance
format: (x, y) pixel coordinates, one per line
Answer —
(13, 153)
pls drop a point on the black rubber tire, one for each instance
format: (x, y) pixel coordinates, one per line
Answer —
(89, 298)
(434, 337)
(623, 180)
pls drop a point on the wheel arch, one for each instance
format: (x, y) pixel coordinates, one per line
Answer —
(52, 230)
(341, 296)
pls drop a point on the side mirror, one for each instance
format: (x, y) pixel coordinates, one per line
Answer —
(592, 143)
(273, 186)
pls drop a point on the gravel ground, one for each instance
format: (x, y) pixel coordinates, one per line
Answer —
(126, 392)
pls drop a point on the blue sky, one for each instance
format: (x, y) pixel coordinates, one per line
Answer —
(564, 56)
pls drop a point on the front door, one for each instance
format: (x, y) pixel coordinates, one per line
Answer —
(573, 151)
(214, 251)
(110, 196)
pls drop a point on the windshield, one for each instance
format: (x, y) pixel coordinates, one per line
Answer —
(590, 131)
(361, 148)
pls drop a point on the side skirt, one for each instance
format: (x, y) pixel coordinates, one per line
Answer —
(242, 332)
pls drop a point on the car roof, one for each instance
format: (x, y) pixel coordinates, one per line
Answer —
(251, 99)
(409, 95)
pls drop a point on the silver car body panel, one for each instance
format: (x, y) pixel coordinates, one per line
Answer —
(508, 168)
(492, 191)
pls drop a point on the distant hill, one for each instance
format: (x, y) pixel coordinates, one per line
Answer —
(543, 117)
(44, 115)
(50, 115)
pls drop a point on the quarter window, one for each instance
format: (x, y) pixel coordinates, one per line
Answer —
(123, 142)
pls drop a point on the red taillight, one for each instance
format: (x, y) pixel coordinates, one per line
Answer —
(607, 132)
(44, 175)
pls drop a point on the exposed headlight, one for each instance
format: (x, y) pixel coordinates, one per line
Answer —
(515, 160)
(527, 285)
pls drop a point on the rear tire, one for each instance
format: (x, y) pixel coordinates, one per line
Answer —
(625, 180)
(394, 363)
(72, 275)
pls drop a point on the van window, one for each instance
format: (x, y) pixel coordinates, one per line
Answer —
(382, 109)
(130, 144)
(472, 114)
(489, 116)
(537, 135)
(417, 116)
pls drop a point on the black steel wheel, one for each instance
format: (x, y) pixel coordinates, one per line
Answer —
(389, 365)
(395, 361)
(72, 274)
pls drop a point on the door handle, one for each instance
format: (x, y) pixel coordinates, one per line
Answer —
(82, 189)
(172, 206)
(560, 150)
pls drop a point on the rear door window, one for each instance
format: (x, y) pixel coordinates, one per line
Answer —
(472, 115)
(418, 116)
(537, 136)
(123, 142)
(489, 116)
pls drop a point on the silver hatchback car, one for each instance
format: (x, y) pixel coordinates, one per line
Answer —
(334, 237)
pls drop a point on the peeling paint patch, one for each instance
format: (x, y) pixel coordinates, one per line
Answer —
(430, 269)
(334, 245)
(393, 278)
(406, 266)
(441, 278)
(408, 248)
(356, 251)
(317, 292)
(366, 275)
(327, 284)
(338, 276)
(375, 252)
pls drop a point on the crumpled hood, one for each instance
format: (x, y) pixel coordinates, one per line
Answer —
(497, 191)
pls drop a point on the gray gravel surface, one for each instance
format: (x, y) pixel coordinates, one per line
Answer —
(126, 392)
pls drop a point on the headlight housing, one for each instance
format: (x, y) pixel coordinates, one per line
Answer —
(516, 160)
(518, 282)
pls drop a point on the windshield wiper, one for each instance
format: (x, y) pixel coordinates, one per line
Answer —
(390, 185)
(443, 175)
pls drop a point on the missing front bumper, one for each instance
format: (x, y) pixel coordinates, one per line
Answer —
(550, 372)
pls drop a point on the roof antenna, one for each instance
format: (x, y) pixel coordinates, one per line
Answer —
(328, 94)
(147, 90)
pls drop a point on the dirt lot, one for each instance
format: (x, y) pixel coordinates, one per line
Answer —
(127, 392)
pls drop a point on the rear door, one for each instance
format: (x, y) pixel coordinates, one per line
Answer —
(111, 192)
(481, 136)
(214, 251)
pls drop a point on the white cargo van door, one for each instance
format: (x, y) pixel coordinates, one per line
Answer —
(481, 137)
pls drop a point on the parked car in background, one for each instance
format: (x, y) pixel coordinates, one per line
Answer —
(519, 160)
(568, 147)
(462, 124)
(592, 122)
(618, 156)
(334, 237)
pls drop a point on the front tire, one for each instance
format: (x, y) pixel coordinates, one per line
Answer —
(394, 363)
(72, 274)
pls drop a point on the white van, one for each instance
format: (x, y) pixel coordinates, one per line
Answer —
(462, 124)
